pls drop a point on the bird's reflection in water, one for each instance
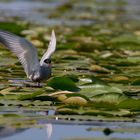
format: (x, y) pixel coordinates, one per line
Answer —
(8, 131)
(49, 130)
(49, 125)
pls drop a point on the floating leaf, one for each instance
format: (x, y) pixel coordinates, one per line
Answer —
(78, 95)
(136, 82)
(132, 104)
(92, 90)
(62, 98)
(30, 96)
(58, 93)
(12, 115)
(97, 113)
(76, 101)
(120, 79)
(70, 97)
(74, 78)
(9, 90)
(96, 80)
(62, 83)
(67, 111)
(110, 98)
(131, 39)
(12, 27)
(99, 69)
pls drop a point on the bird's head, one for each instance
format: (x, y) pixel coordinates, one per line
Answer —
(47, 62)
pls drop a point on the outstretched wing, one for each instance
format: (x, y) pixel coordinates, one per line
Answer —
(51, 48)
(23, 49)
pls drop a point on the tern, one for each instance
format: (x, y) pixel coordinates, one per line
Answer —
(27, 54)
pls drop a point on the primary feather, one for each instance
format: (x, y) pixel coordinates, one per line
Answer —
(51, 48)
(23, 49)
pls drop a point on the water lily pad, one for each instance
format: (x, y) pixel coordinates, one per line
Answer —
(76, 101)
(12, 115)
(131, 104)
(136, 82)
(110, 98)
(93, 90)
(126, 39)
(30, 96)
(12, 27)
(97, 68)
(70, 97)
(97, 113)
(9, 90)
(63, 83)
(120, 79)
(58, 93)
(66, 111)
(73, 77)
(98, 80)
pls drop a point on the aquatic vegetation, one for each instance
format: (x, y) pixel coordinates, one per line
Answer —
(95, 70)
(90, 80)
(13, 27)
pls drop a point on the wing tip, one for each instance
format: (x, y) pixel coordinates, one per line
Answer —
(53, 37)
(53, 33)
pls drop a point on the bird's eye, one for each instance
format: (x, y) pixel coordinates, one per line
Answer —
(48, 61)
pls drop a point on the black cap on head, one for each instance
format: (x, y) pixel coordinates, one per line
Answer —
(47, 61)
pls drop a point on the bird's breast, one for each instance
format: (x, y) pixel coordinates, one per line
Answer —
(45, 72)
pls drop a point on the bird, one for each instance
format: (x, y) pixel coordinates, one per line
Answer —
(26, 52)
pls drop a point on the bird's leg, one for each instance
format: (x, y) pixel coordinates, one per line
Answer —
(38, 84)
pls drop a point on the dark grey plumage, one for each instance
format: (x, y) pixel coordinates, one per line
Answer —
(27, 54)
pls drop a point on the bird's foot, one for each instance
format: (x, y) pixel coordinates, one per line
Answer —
(34, 85)
(39, 84)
